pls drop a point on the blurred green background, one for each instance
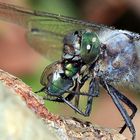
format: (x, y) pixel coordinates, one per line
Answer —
(18, 58)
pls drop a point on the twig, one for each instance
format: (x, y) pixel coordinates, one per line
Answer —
(62, 127)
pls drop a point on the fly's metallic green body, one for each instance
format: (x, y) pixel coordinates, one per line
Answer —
(71, 69)
(57, 78)
(103, 55)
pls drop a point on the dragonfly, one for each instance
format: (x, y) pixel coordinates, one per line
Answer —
(106, 56)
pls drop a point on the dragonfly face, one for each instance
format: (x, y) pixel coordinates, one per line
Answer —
(82, 45)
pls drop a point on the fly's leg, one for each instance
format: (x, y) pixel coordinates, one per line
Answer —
(92, 93)
(69, 97)
(77, 89)
(53, 99)
(128, 103)
(120, 107)
(50, 99)
(71, 94)
(47, 98)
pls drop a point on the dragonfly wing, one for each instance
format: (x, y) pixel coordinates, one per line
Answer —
(46, 35)
(46, 43)
(22, 16)
(45, 30)
(15, 14)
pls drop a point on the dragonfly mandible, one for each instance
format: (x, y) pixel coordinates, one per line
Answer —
(111, 57)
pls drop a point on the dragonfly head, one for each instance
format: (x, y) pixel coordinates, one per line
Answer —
(82, 45)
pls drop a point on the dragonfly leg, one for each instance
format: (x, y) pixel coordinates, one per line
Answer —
(64, 100)
(93, 92)
(120, 107)
(72, 106)
(128, 103)
(70, 96)
(78, 86)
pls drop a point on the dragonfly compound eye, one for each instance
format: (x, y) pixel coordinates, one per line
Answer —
(90, 47)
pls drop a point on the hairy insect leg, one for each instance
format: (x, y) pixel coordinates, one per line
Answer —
(64, 100)
(94, 91)
(53, 99)
(74, 108)
(120, 107)
(128, 103)
(78, 86)
(74, 90)
(69, 97)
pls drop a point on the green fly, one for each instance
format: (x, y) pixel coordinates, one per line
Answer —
(104, 55)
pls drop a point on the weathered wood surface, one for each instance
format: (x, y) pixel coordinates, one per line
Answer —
(24, 116)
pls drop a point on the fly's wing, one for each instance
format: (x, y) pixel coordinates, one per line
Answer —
(45, 31)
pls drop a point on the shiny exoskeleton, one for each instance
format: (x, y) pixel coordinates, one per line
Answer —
(103, 55)
(58, 77)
